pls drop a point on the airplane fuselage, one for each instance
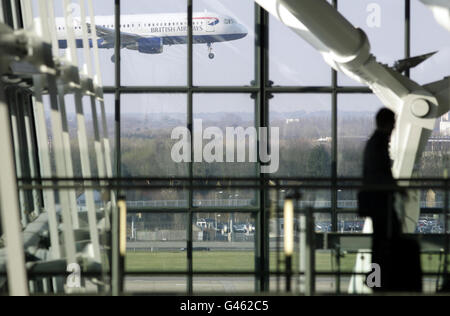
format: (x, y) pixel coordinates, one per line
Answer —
(170, 29)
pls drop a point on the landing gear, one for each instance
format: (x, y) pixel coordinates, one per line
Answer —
(211, 54)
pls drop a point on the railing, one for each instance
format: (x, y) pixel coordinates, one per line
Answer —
(345, 204)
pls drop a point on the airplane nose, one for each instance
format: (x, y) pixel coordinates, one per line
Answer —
(243, 30)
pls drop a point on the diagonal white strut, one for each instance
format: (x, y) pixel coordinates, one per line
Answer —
(9, 207)
(347, 49)
(58, 140)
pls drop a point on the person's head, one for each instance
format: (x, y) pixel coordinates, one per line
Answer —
(385, 120)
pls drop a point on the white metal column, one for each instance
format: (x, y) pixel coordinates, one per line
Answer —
(17, 153)
(58, 144)
(98, 86)
(9, 204)
(43, 146)
(14, 14)
(88, 71)
(27, 14)
(31, 152)
(1, 14)
(82, 135)
(46, 171)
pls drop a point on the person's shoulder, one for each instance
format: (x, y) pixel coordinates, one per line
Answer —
(379, 137)
(376, 143)
(374, 138)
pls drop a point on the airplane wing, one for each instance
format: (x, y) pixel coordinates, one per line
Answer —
(109, 35)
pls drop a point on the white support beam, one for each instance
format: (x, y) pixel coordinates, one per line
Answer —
(82, 135)
(63, 108)
(12, 100)
(14, 14)
(27, 14)
(58, 143)
(31, 152)
(88, 71)
(98, 86)
(9, 204)
(46, 170)
(2, 17)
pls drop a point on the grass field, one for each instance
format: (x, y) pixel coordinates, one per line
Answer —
(233, 261)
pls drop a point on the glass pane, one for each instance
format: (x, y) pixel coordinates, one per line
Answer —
(159, 56)
(229, 26)
(74, 136)
(444, 125)
(323, 222)
(432, 263)
(222, 116)
(356, 123)
(432, 218)
(224, 242)
(293, 61)
(156, 242)
(217, 113)
(347, 199)
(224, 197)
(72, 125)
(428, 36)
(147, 123)
(304, 122)
(383, 22)
(435, 161)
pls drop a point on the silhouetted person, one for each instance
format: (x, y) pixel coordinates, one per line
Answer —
(399, 258)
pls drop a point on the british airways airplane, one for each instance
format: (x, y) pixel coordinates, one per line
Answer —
(148, 34)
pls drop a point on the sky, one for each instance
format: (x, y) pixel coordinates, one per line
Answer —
(292, 60)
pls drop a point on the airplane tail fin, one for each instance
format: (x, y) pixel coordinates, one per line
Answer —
(406, 64)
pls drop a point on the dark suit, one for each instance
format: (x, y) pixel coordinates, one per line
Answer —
(377, 171)
(398, 257)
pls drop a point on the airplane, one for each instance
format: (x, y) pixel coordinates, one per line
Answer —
(149, 33)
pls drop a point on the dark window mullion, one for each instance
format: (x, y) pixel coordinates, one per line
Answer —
(407, 32)
(190, 119)
(262, 120)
